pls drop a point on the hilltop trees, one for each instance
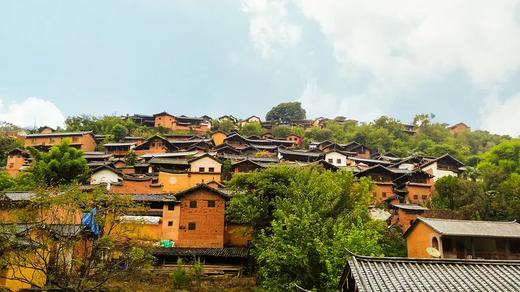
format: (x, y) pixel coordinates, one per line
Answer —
(285, 112)
(306, 219)
(489, 192)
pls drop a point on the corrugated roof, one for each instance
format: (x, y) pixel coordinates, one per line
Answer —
(473, 227)
(401, 274)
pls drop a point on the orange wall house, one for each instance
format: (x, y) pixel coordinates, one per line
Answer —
(177, 182)
(84, 141)
(202, 212)
(136, 185)
(404, 215)
(164, 120)
(155, 144)
(166, 228)
(383, 191)
(295, 138)
(16, 159)
(419, 193)
(464, 239)
(459, 128)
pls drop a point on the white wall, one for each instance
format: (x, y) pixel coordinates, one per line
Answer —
(335, 156)
(104, 176)
(438, 173)
(205, 162)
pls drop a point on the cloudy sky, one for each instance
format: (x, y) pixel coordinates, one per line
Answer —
(457, 59)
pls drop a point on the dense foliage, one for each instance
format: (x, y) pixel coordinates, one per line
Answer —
(306, 220)
(50, 246)
(286, 112)
(489, 192)
(62, 164)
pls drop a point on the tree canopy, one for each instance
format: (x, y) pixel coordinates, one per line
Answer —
(306, 219)
(286, 112)
(62, 164)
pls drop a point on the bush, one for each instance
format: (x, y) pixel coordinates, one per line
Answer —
(180, 278)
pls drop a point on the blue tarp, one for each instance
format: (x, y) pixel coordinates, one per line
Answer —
(88, 220)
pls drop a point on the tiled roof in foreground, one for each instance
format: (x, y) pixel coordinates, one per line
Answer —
(403, 274)
(228, 252)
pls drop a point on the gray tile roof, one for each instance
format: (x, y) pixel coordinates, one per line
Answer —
(402, 274)
(226, 252)
(154, 198)
(410, 207)
(473, 228)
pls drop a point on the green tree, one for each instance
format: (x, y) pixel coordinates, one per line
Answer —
(306, 220)
(131, 158)
(286, 112)
(6, 181)
(6, 145)
(250, 129)
(119, 132)
(102, 256)
(63, 164)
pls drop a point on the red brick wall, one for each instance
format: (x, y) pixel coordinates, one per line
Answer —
(209, 229)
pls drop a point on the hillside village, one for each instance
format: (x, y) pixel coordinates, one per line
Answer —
(180, 175)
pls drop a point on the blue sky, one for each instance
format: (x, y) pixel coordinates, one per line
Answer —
(459, 60)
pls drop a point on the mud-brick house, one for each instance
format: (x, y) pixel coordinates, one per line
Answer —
(298, 141)
(119, 149)
(414, 187)
(202, 217)
(251, 119)
(202, 169)
(464, 239)
(382, 177)
(154, 144)
(84, 141)
(136, 184)
(193, 218)
(285, 154)
(361, 150)
(403, 215)
(445, 165)
(164, 120)
(459, 128)
(17, 160)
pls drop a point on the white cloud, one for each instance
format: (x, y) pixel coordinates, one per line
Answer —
(403, 42)
(389, 49)
(32, 111)
(501, 116)
(268, 26)
(322, 103)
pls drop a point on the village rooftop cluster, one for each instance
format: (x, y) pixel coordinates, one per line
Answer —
(181, 177)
